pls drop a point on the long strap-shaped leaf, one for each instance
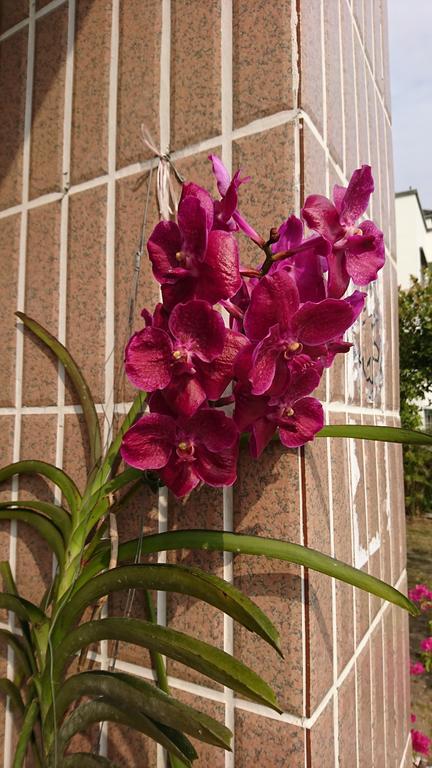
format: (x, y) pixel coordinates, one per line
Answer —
(214, 663)
(8, 688)
(56, 475)
(146, 698)
(103, 711)
(86, 760)
(81, 387)
(41, 524)
(112, 453)
(387, 434)
(18, 646)
(224, 541)
(22, 608)
(25, 736)
(58, 515)
(173, 578)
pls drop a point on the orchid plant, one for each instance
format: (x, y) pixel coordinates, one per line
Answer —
(203, 386)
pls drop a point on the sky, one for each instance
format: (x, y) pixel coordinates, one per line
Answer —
(410, 23)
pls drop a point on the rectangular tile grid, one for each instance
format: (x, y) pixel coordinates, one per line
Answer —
(205, 79)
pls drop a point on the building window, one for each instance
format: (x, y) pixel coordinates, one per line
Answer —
(427, 415)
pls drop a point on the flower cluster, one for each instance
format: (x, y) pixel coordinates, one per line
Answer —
(422, 595)
(287, 321)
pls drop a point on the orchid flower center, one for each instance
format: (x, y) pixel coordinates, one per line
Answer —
(181, 256)
(288, 412)
(179, 355)
(292, 348)
(185, 450)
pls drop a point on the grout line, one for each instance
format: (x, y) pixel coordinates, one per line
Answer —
(36, 15)
(8, 734)
(227, 497)
(164, 141)
(342, 82)
(110, 284)
(365, 56)
(405, 752)
(122, 408)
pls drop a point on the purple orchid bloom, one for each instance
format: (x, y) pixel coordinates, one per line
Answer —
(189, 259)
(191, 359)
(357, 250)
(308, 260)
(203, 448)
(280, 327)
(296, 416)
(227, 216)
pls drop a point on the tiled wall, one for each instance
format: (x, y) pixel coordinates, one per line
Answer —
(299, 96)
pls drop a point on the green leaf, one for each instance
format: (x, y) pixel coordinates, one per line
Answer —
(81, 387)
(22, 608)
(113, 451)
(8, 688)
(26, 734)
(21, 652)
(173, 578)
(58, 515)
(214, 663)
(86, 760)
(143, 697)
(224, 541)
(103, 711)
(57, 476)
(41, 524)
(387, 434)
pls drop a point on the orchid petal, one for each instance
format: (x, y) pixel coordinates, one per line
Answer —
(216, 376)
(264, 362)
(321, 216)
(219, 276)
(221, 174)
(149, 442)
(338, 276)
(356, 198)
(217, 468)
(164, 243)
(262, 432)
(185, 394)
(148, 359)
(180, 476)
(338, 196)
(274, 300)
(199, 328)
(324, 321)
(308, 419)
(365, 254)
(204, 198)
(192, 219)
(212, 428)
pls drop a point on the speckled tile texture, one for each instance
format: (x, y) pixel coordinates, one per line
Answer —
(262, 71)
(296, 93)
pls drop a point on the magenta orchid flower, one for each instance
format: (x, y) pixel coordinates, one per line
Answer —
(203, 448)
(189, 260)
(280, 327)
(191, 360)
(307, 261)
(426, 645)
(417, 668)
(420, 742)
(296, 417)
(227, 216)
(357, 250)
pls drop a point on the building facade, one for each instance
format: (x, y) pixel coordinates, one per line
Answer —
(413, 237)
(297, 94)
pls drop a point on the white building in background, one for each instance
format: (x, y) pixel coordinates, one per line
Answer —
(413, 236)
(414, 253)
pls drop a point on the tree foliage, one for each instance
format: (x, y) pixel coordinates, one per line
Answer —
(415, 342)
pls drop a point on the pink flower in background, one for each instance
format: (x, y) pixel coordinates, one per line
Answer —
(203, 448)
(413, 718)
(357, 249)
(420, 593)
(420, 742)
(426, 645)
(417, 668)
